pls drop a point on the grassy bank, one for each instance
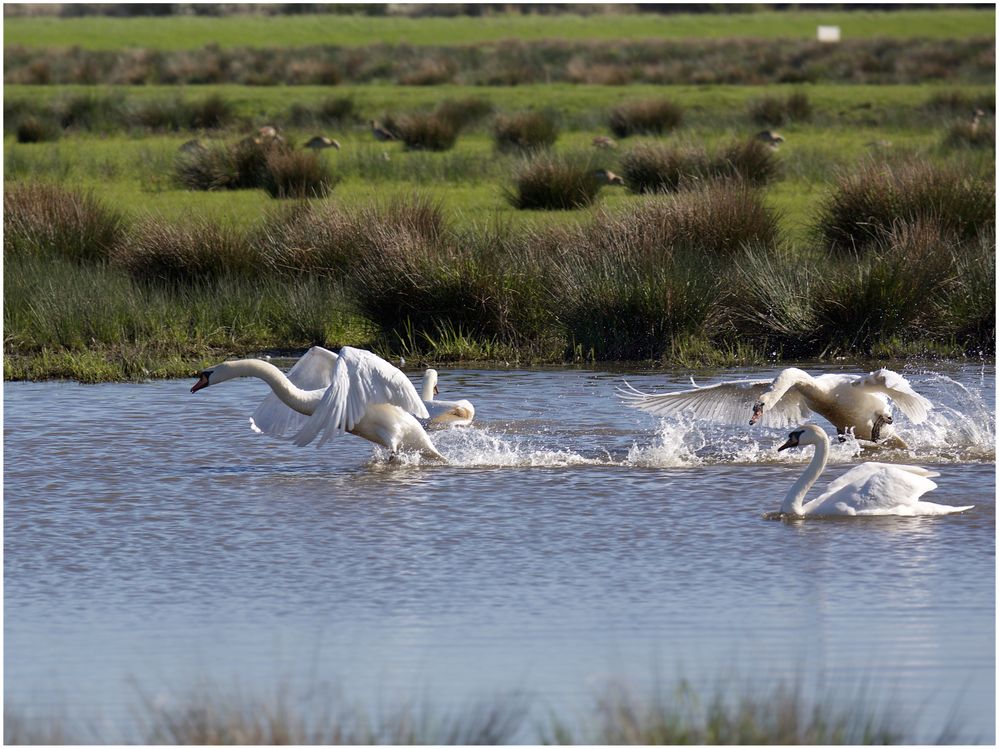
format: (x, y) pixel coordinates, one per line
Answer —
(677, 716)
(189, 32)
(702, 274)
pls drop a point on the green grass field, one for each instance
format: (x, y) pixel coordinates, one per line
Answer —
(188, 32)
(119, 323)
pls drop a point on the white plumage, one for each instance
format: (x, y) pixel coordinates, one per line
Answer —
(867, 489)
(850, 402)
(325, 394)
(444, 413)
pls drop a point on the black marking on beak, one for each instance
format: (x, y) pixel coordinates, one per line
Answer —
(792, 441)
(757, 413)
(436, 391)
(202, 381)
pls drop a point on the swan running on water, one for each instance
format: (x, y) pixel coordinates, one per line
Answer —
(444, 413)
(850, 402)
(355, 392)
(867, 489)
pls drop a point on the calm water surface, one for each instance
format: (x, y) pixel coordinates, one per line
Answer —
(153, 542)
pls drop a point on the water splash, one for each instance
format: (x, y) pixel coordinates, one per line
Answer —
(480, 447)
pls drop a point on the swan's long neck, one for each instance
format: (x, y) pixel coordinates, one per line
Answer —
(786, 380)
(294, 397)
(429, 382)
(795, 497)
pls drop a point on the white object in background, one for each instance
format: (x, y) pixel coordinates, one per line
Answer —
(828, 33)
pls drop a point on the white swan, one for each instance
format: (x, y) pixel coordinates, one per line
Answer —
(444, 413)
(866, 489)
(850, 402)
(326, 393)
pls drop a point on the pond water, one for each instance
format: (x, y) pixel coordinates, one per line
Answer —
(153, 542)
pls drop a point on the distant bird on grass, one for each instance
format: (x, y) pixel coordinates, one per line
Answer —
(602, 141)
(192, 147)
(380, 133)
(321, 141)
(607, 177)
(769, 137)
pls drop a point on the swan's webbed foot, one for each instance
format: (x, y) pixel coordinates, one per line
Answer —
(879, 422)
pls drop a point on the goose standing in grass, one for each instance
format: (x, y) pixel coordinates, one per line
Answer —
(857, 403)
(769, 137)
(380, 133)
(607, 177)
(444, 413)
(321, 141)
(865, 490)
(325, 394)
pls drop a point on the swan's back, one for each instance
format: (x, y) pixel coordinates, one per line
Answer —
(880, 489)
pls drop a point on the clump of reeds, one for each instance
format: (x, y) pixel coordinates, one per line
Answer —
(645, 117)
(37, 130)
(246, 164)
(750, 160)
(42, 219)
(91, 111)
(335, 111)
(867, 204)
(775, 716)
(658, 167)
(524, 131)
(888, 294)
(971, 134)
(194, 250)
(465, 112)
(776, 110)
(297, 174)
(211, 113)
(420, 131)
(553, 183)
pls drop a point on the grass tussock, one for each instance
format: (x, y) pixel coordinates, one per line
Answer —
(971, 134)
(553, 183)
(296, 174)
(426, 132)
(659, 167)
(47, 220)
(776, 714)
(37, 130)
(774, 717)
(645, 117)
(465, 112)
(191, 251)
(524, 131)
(774, 111)
(867, 205)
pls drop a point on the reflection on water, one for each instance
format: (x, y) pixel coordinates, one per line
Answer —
(149, 534)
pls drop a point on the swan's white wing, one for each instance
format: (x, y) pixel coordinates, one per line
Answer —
(896, 387)
(725, 403)
(313, 371)
(360, 379)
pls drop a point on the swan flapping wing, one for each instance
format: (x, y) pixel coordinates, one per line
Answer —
(313, 371)
(359, 379)
(724, 403)
(896, 387)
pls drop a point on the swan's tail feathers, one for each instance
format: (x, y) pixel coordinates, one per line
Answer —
(915, 406)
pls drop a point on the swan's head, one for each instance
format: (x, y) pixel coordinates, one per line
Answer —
(809, 434)
(218, 373)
